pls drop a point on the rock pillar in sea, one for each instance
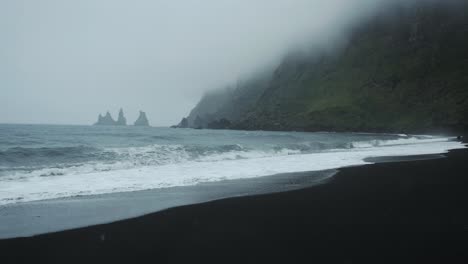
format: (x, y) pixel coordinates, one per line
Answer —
(121, 121)
(142, 120)
(106, 120)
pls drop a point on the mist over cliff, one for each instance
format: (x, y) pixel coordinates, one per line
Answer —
(402, 68)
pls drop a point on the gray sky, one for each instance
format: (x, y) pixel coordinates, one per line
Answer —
(66, 61)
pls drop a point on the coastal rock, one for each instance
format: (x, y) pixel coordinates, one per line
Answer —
(223, 123)
(183, 123)
(106, 120)
(142, 120)
(121, 121)
(199, 123)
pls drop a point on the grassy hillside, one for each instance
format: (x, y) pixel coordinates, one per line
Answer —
(403, 70)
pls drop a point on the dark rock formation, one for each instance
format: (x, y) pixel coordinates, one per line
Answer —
(106, 120)
(121, 121)
(142, 120)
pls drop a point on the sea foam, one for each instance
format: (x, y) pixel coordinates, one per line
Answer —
(237, 163)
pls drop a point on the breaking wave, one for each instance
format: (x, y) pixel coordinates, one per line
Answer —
(399, 141)
(29, 174)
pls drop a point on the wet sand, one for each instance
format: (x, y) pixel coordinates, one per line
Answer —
(408, 211)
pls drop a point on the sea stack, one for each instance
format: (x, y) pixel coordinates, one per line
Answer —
(142, 120)
(121, 121)
(106, 120)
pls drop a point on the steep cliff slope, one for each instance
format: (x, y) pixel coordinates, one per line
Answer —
(231, 103)
(403, 70)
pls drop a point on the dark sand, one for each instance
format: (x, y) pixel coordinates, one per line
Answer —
(413, 211)
(47, 216)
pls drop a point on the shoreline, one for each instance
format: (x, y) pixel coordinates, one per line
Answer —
(33, 218)
(403, 211)
(40, 217)
(434, 131)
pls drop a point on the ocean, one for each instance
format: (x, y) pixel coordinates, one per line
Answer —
(41, 162)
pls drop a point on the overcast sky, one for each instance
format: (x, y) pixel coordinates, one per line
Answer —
(66, 61)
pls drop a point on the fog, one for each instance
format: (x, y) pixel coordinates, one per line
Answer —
(66, 61)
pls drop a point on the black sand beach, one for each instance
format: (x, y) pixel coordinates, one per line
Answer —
(414, 211)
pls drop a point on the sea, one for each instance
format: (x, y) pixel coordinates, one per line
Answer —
(44, 162)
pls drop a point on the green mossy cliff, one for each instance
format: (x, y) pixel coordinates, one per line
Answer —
(403, 70)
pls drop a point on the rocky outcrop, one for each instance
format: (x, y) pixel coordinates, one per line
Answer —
(121, 121)
(142, 120)
(230, 103)
(183, 124)
(223, 123)
(106, 120)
